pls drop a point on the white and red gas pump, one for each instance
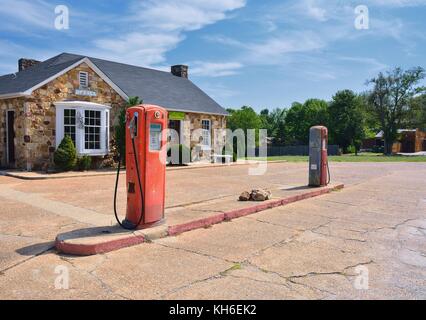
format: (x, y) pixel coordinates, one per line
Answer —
(145, 167)
(319, 173)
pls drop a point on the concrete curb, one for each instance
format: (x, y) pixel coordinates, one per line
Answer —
(229, 215)
(51, 176)
(85, 248)
(82, 249)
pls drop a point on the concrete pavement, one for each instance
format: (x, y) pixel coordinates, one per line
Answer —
(315, 249)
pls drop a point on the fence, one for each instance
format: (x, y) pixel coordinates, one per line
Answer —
(333, 150)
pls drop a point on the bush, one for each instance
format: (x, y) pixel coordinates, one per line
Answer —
(84, 163)
(351, 149)
(65, 156)
(183, 152)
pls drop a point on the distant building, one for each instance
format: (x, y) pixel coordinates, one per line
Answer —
(409, 141)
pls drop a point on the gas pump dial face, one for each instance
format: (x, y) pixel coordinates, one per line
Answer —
(157, 114)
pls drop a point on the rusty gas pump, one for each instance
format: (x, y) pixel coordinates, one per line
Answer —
(145, 167)
(319, 173)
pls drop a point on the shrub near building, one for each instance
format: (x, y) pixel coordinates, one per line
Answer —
(65, 156)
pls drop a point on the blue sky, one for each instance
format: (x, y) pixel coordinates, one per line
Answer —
(265, 54)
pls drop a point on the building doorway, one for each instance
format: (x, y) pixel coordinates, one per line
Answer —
(175, 125)
(10, 138)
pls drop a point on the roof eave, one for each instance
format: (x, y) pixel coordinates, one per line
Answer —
(14, 95)
(62, 72)
(200, 112)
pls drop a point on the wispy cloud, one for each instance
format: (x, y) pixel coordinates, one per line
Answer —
(138, 48)
(214, 69)
(373, 64)
(24, 13)
(159, 26)
(397, 3)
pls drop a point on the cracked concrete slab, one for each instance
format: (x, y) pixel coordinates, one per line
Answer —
(36, 279)
(313, 249)
(247, 238)
(150, 271)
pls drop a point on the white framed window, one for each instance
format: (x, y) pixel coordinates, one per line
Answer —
(70, 123)
(87, 124)
(206, 127)
(83, 78)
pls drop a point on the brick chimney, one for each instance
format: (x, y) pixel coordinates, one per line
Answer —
(26, 63)
(180, 70)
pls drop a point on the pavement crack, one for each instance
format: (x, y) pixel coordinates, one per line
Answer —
(196, 252)
(93, 274)
(28, 259)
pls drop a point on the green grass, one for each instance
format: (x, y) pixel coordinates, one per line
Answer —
(362, 157)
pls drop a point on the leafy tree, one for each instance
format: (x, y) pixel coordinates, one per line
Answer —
(390, 98)
(65, 156)
(245, 118)
(120, 128)
(301, 117)
(417, 112)
(274, 122)
(346, 120)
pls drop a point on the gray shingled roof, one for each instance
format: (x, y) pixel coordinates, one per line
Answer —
(153, 86)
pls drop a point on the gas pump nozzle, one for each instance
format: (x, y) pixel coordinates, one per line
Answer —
(133, 126)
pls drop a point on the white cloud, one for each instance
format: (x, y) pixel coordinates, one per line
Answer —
(373, 64)
(214, 69)
(183, 15)
(274, 49)
(397, 3)
(138, 48)
(36, 13)
(156, 27)
(314, 11)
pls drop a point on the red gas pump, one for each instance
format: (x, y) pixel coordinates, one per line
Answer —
(145, 166)
(319, 174)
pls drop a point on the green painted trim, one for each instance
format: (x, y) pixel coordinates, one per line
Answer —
(176, 115)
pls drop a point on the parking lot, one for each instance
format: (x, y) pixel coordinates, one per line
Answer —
(366, 241)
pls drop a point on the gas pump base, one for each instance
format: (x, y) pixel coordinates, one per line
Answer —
(127, 224)
(98, 240)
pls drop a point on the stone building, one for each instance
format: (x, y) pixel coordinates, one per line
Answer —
(81, 96)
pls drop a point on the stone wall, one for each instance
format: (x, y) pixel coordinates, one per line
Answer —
(17, 105)
(193, 122)
(37, 115)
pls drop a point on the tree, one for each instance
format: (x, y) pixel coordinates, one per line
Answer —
(274, 122)
(417, 112)
(245, 118)
(346, 120)
(390, 99)
(301, 117)
(120, 128)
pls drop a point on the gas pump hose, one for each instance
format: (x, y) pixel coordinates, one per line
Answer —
(328, 170)
(133, 227)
